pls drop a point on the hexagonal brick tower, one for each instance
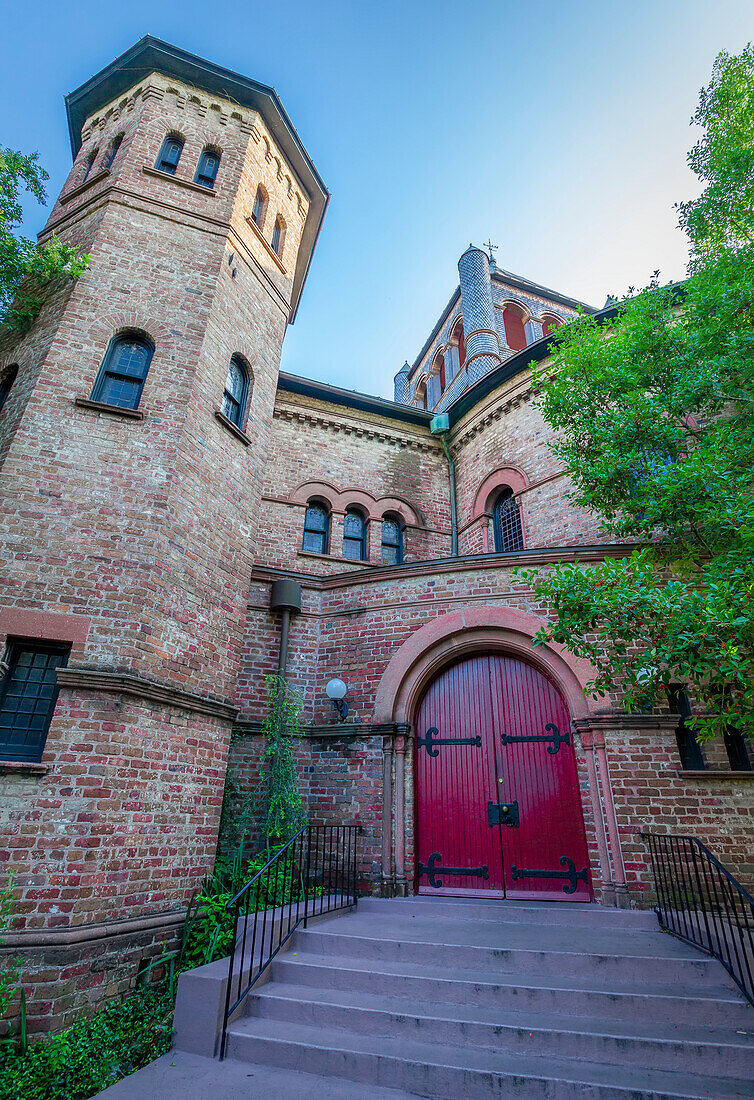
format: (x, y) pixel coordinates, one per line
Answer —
(131, 455)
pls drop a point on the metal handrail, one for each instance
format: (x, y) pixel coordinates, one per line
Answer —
(314, 873)
(700, 901)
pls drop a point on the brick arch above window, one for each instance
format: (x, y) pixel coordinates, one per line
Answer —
(506, 477)
(341, 500)
(113, 324)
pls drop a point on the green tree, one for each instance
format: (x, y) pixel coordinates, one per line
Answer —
(27, 269)
(285, 813)
(652, 410)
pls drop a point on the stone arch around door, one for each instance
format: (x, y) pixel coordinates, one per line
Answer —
(440, 643)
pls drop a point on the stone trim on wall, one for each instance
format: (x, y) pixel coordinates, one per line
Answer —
(126, 683)
(27, 939)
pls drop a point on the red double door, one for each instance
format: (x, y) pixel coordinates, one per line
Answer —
(498, 804)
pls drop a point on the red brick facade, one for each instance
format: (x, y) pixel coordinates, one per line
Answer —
(149, 543)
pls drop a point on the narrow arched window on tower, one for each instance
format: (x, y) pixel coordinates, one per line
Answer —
(278, 235)
(124, 370)
(515, 334)
(206, 171)
(392, 541)
(260, 207)
(236, 391)
(89, 164)
(316, 528)
(354, 535)
(506, 520)
(170, 154)
(6, 383)
(114, 147)
(549, 324)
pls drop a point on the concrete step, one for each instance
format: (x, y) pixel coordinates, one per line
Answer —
(581, 995)
(511, 948)
(447, 1071)
(726, 1051)
(555, 913)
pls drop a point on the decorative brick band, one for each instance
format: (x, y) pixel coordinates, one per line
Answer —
(125, 683)
(90, 933)
(334, 732)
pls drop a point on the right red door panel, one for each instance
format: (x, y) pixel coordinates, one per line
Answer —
(501, 791)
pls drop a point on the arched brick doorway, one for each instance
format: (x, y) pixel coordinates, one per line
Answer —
(498, 809)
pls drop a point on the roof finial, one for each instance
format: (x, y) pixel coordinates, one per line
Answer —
(490, 252)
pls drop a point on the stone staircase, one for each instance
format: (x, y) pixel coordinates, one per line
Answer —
(465, 998)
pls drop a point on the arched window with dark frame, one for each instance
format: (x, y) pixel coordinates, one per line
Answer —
(115, 145)
(170, 154)
(124, 370)
(354, 535)
(316, 528)
(6, 383)
(236, 391)
(506, 523)
(259, 209)
(392, 540)
(206, 170)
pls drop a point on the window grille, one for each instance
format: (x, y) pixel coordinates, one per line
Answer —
(354, 536)
(113, 150)
(28, 693)
(170, 154)
(123, 372)
(206, 171)
(506, 519)
(689, 749)
(316, 529)
(7, 384)
(392, 542)
(236, 388)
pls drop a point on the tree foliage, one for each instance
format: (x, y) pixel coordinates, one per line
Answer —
(26, 268)
(652, 409)
(285, 813)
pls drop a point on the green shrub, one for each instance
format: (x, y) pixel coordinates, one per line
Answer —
(92, 1054)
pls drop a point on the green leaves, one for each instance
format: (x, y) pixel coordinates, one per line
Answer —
(285, 813)
(653, 415)
(27, 269)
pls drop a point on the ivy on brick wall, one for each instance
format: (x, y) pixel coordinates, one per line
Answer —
(284, 809)
(653, 413)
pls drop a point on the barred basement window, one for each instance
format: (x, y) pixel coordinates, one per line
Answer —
(236, 390)
(316, 529)
(354, 536)
(506, 523)
(392, 541)
(206, 172)
(689, 750)
(124, 370)
(28, 693)
(113, 150)
(170, 154)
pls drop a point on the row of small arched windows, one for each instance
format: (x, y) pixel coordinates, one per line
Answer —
(109, 158)
(170, 155)
(316, 540)
(124, 369)
(259, 216)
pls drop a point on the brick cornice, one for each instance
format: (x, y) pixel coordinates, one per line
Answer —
(126, 683)
(362, 429)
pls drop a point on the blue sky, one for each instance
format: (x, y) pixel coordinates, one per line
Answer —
(557, 129)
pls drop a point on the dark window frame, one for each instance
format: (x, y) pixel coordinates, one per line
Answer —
(358, 543)
(107, 371)
(689, 750)
(89, 164)
(6, 383)
(315, 530)
(114, 147)
(30, 751)
(259, 209)
(278, 236)
(508, 533)
(202, 177)
(233, 405)
(386, 546)
(164, 163)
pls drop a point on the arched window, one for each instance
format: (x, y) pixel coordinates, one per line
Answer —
(549, 324)
(278, 235)
(439, 368)
(354, 536)
(124, 370)
(458, 338)
(170, 154)
(392, 541)
(206, 171)
(260, 207)
(434, 391)
(420, 395)
(89, 164)
(506, 521)
(6, 383)
(114, 147)
(515, 335)
(316, 528)
(236, 391)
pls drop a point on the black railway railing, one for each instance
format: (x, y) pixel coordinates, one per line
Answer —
(314, 873)
(700, 902)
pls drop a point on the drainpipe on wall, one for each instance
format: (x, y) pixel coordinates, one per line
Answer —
(440, 425)
(285, 597)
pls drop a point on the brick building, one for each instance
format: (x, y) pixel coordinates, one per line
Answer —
(160, 474)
